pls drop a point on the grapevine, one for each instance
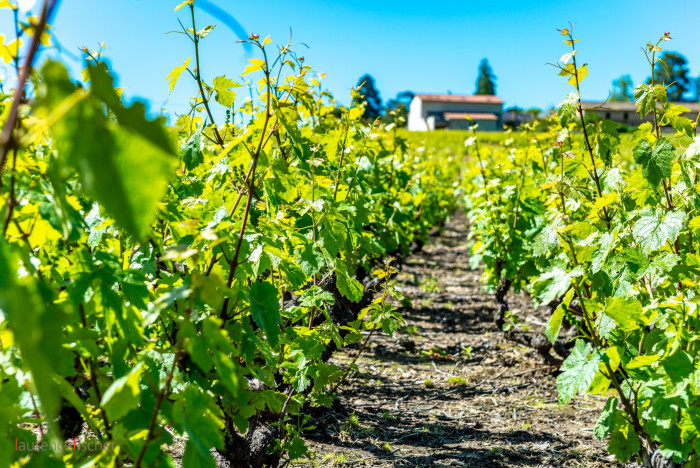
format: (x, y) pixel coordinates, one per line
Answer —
(194, 280)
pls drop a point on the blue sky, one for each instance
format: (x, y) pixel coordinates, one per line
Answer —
(406, 45)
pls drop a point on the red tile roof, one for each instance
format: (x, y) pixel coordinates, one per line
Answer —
(463, 98)
(473, 115)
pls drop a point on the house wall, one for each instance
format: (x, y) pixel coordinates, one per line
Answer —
(631, 117)
(625, 117)
(484, 125)
(420, 112)
(416, 120)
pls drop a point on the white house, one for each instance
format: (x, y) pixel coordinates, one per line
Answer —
(450, 111)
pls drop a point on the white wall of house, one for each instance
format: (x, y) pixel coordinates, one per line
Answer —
(420, 111)
(417, 121)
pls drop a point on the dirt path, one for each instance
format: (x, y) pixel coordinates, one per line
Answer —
(449, 389)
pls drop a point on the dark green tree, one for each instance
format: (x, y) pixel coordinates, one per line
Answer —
(398, 107)
(622, 89)
(370, 97)
(672, 69)
(486, 82)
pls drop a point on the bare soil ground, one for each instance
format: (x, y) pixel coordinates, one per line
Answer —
(450, 389)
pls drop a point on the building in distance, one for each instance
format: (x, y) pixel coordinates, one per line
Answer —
(626, 112)
(450, 111)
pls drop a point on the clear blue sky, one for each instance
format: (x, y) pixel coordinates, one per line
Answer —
(427, 46)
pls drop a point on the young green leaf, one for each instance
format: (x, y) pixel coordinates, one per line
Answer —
(177, 71)
(554, 324)
(124, 394)
(567, 109)
(265, 309)
(656, 162)
(255, 65)
(191, 150)
(124, 164)
(224, 95)
(204, 32)
(605, 423)
(647, 96)
(654, 228)
(554, 283)
(605, 246)
(624, 441)
(627, 312)
(349, 287)
(578, 371)
(186, 2)
(608, 141)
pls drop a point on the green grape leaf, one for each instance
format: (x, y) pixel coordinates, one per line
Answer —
(682, 125)
(175, 74)
(627, 313)
(554, 324)
(265, 309)
(605, 423)
(294, 274)
(605, 246)
(133, 117)
(690, 425)
(124, 394)
(642, 361)
(578, 371)
(329, 240)
(196, 346)
(547, 239)
(678, 366)
(201, 420)
(654, 228)
(124, 164)
(36, 327)
(656, 162)
(349, 287)
(605, 325)
(671, 448)
(553, 284)
(228, 371)
(315, 296)
(191, 150)
(608, 141)
(297, 448)
(204, 32)
(567, 109)
(646, 96)
(310, 259)
(223, 94)
(624, 441)
(194, 458)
